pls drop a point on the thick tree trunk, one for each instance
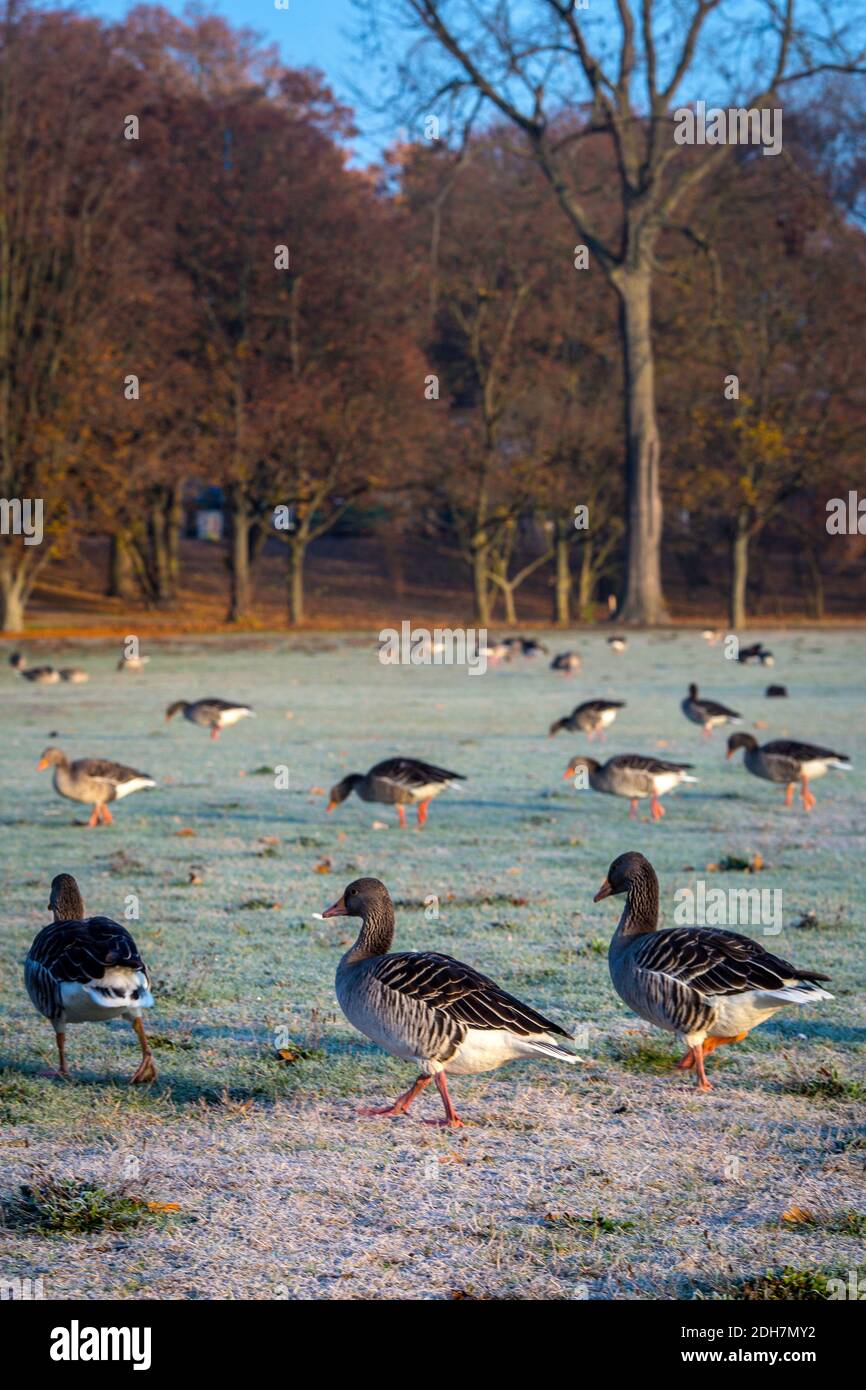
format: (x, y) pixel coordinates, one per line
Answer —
(238, 517)
(644, 602)
(173, 528)
(297, 554)
(739, 574)
(12, 600)
(158, 560)
(562, 576)
(120, 574)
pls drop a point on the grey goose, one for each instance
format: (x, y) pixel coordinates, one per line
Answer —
(708, 713)
(566, 661)
(397, 782)
(95, 781)
(708, 985)
(789, 762)
(87, 970)
(429, 1009)
(37, 675)
(211, 713)
(634, 776)
(592, 717)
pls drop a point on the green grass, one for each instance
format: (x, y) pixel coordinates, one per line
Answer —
(826, 1085)
(68, 1207)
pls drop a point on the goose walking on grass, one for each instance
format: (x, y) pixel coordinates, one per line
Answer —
(74, 675)
(708, 713)
(397, 782)
(633, 776)
(591, 718)
(215, 715)
(87, 970)
(707, 985)
(38, 675)
(433, 1011)
(569, 662)
(95, 781)
(757, 652)
(785, 761)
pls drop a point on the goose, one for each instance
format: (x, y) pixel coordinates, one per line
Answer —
(706, 984)
(524, 646)
(429, 1009)
(210, 714)
(711, 635)
(87, 970)
(757, 652)
(132, 663)
(397, 782)
(786, 761)
(74, 675)
(592, 717)
(95, 781)
(569, 662)
(707, 713)
(634, 776)
(776, 692)
(495, 652)
(39, 675)
(617, 643)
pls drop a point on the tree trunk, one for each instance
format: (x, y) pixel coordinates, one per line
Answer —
(816, 588)
(239, 555)
(173, 528)
(158, 551)
(739, 574)
(480, 585)
(586, 582)
(644, 602)
(297, 554)
(120, 575)
(562, 581)
(12, 600)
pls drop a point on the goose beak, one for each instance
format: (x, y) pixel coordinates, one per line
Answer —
(42, 764)
(338, 909)
(330, 807)
(567, 774)
(604, 891)
(729, 755)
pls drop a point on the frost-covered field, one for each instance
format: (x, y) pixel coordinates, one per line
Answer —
(613, 1179)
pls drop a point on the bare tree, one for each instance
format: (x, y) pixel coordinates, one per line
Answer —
(524, 59)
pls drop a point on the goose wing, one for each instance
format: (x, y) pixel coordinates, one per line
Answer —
(637, 762)
(461, 993)
(713, 708)
(412, 773)
(103, 770)
(795, 752)
(715, 962)
(596, 707)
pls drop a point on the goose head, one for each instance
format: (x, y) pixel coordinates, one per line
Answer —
(747, 741)
(51, 757)
(339, 793)
(369, 899)
(579, 761)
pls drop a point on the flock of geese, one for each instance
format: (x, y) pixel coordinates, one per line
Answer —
(708, 985)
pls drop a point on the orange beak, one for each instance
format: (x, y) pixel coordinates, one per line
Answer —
(604, 891)
(42, 764)
(729, 755)
(338, 909)
(330, 806)
(567, 774)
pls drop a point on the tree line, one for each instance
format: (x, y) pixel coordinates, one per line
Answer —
(493, 330)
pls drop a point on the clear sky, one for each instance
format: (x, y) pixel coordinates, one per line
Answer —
(315, 33)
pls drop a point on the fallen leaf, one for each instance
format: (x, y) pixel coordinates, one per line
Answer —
(798, 1216)
(186, 832)
(163, 1206)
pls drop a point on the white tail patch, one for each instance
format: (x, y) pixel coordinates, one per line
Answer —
(802, 993)
(134, 784)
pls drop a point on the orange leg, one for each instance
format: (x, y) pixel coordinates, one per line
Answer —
(452, 1119)
(422, 812)
(686, 1063)
(657, 810)
(107, 817)
(62, 1068)
(402, 1103)
(789, 794)
(707, 731)
(808, 798)
(401, 812)
(214, 733)
(146, 1070)
(698, 1052)
(94, 816)
(632, 809)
